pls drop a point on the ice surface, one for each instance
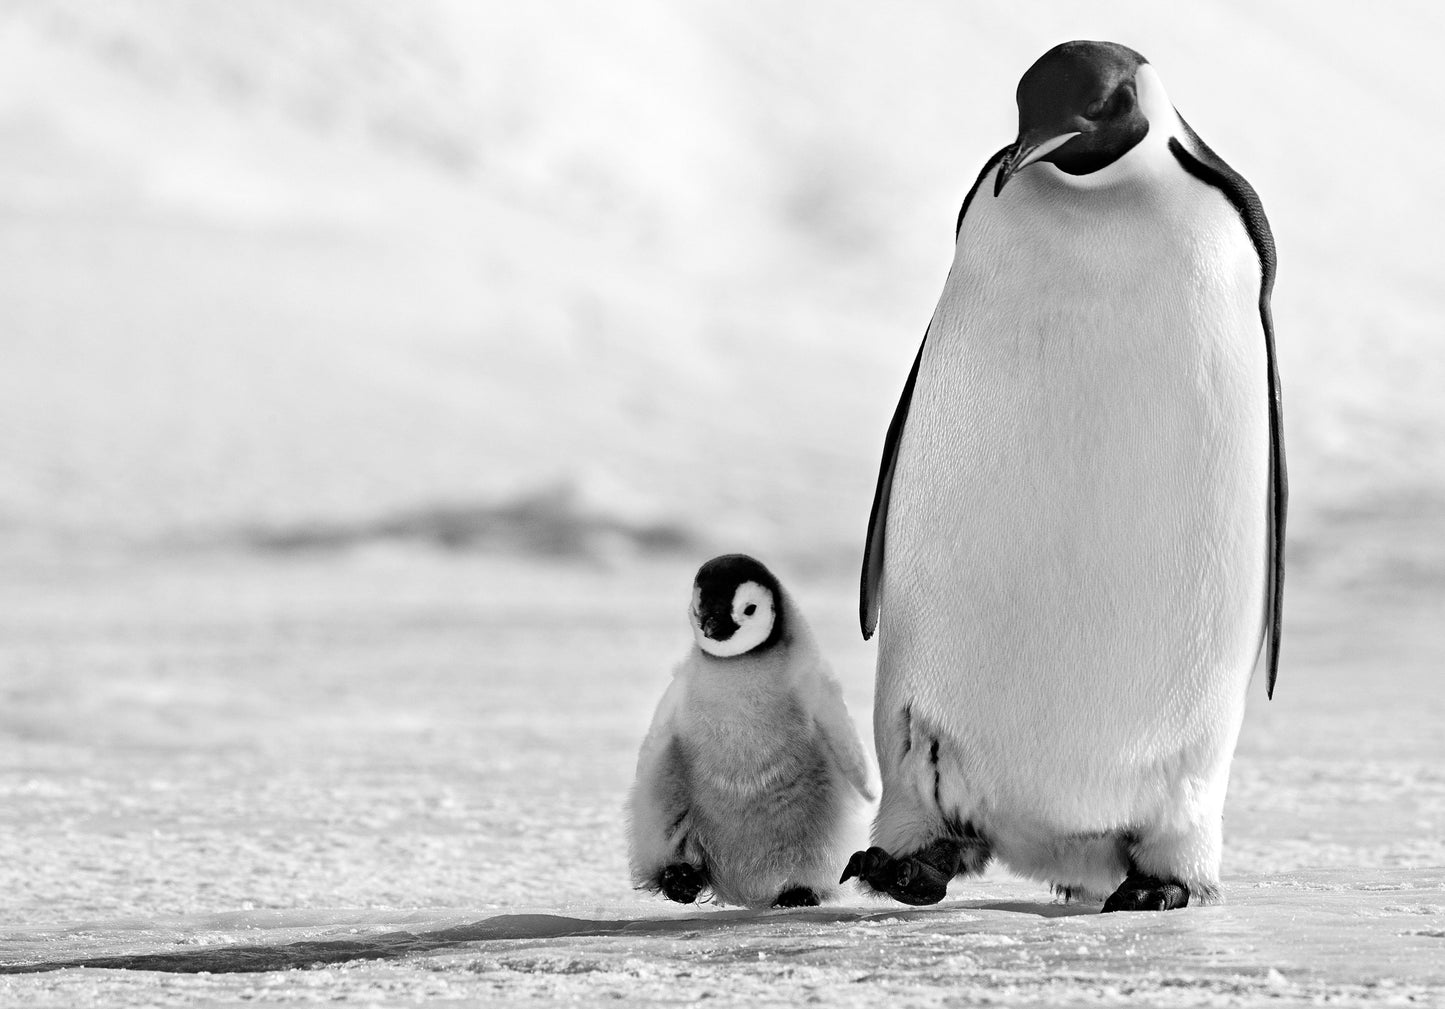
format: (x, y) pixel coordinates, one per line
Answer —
(414, 762)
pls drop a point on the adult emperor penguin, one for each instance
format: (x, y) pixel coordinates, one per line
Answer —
(751, 778)
(1077, 540)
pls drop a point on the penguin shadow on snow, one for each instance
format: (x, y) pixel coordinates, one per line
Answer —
(395, 945)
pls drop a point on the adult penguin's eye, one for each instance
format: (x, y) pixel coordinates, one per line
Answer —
(1112, 106)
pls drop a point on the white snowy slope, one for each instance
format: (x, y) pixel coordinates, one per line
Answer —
(278, 266)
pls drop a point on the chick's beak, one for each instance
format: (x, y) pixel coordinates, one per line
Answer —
(1025, 151)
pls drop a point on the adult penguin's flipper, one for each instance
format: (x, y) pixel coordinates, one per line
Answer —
(1199, 161)
(878, 518)
(868, 603)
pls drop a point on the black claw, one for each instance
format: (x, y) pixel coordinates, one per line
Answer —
(798, 896)
(904, 874)
(1147, 893)
(917, 883)
(908, 880)
(681, 882)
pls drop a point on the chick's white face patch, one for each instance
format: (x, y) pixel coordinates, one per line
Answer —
(753, 611)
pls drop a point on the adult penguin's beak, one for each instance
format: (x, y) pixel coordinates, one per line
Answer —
(1025, 151)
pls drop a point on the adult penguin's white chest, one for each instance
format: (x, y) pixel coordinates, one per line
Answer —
(1076, 540)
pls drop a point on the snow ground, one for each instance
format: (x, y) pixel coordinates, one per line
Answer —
(211, 751)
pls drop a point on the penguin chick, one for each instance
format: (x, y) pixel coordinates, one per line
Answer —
(1077, 540)
(752, 773)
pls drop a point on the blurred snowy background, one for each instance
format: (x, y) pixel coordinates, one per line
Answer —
(374, 375)
(569, 276)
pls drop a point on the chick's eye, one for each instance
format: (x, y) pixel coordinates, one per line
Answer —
(750, 609)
